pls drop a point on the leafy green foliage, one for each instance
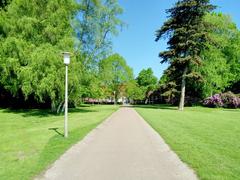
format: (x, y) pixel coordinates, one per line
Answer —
(95, 24)
(147, 82)
(115, 74)
(134, 91)
(33, 34)
(31, 46)
(220, 60)
(221, 65)
(146, 78)
(4, 3)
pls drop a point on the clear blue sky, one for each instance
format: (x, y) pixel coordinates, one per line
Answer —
(143, 17)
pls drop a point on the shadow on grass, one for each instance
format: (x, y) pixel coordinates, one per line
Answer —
(157, 106)
(30, 112)
(232, 110)
(57, 145)
(80, 110)
(56, 130)
(45, 112)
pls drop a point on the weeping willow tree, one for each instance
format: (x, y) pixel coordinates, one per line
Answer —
(34, 33)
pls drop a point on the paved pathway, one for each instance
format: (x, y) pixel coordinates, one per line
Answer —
(124, 147)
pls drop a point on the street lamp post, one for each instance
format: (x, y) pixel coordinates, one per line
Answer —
(66, 57)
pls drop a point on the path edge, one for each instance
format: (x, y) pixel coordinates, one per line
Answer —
(186, 166)
(41, 175)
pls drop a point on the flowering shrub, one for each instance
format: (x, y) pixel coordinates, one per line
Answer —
(227, 100)
(230, 100)
(213, 101)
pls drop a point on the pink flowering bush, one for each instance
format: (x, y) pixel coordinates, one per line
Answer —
(227, 100)
(230, 100)
(213, 101)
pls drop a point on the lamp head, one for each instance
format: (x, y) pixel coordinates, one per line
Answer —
(66, 57)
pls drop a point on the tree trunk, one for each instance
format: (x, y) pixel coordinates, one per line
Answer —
(59, 107)
(183, 88)
(146, 101)
(115, 98)
(63, 107)
(53, 107)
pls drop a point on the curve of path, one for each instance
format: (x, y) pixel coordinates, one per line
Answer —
(124, 147)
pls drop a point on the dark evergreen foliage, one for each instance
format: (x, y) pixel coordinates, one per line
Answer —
(4, 3)
(187, 33)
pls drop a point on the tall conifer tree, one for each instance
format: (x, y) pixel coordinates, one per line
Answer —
(187, 34)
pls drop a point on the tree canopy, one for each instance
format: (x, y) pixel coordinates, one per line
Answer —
(221, 65)
(115, 74)
(31, 44)
(147, 82)
(94, 24)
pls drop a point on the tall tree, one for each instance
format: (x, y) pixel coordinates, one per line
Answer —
(221, 65)
(187, 34)
(34, 33)
(148, 81)
(115, 74)
(95, 24)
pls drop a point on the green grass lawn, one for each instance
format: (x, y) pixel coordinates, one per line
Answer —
(208, 140)
(31, 140)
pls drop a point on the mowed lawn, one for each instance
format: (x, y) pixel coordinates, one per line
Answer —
(208, 140)
(31, 140)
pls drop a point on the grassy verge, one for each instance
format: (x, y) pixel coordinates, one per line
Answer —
(31, 140)
(206, 139)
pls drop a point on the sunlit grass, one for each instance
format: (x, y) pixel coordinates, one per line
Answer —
(206, 139)
(31, 140)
